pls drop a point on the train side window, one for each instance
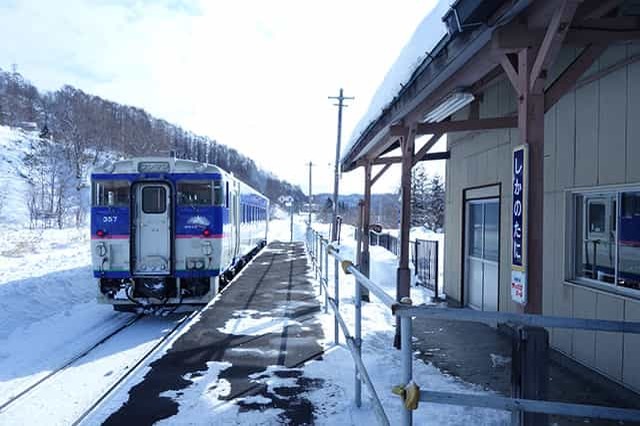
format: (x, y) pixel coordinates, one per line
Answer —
(218, 193)
(195, 193)
(111, 193)
(154, 199)
(226, 202)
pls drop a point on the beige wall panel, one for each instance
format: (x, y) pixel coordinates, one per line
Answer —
(550, 253)
(566, 55)
(550, 150)
(504, 168)
(565, 141)
(609, 345)
(631, 365)
(505, 303)
(612, 55)
(452, 249)
(612, 128)
(489, 104)
(492, 166)
(586, 164)
(633, 49)
(507, 99)
(562, 338)
(633, 122)
(584, 342)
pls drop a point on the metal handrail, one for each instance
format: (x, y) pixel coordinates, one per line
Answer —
(353, 344)
(406, 312)
(524, 319)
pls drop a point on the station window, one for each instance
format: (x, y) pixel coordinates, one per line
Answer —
(607, 233)
(111, 193)
(195, 193)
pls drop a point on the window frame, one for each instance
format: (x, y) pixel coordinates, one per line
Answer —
(147, 188)
(95, 195)
(571, 237)
(211, 185)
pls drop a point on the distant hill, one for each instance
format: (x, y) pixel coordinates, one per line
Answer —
(83, 122)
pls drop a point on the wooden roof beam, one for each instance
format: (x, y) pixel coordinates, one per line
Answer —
(427, 146)
(466, 125)
(567, 80)
(380, 173)
(596, 8)
(553, 39)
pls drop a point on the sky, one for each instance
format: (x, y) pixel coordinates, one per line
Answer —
(254, 75)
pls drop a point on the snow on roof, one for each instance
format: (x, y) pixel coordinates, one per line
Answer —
(426, 37)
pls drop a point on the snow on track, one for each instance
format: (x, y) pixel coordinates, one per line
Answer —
(68, 394)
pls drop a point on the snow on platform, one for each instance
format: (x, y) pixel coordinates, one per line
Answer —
(239, 363)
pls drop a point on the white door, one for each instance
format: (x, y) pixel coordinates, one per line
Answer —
(153, 229)
(482, 254)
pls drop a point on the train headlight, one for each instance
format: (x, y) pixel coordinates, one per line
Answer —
(101, 248)
(195, 263)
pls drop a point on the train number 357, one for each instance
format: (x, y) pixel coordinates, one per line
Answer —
(109, 219)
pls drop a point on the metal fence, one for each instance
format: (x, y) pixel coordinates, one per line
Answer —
(410, 394)
(425, 261)
(423, 256)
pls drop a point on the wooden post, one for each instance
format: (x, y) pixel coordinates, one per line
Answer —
(531, 132)
(403, 283)
(366, 222)
(529, 371)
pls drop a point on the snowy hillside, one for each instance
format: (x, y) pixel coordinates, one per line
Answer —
(14, 145)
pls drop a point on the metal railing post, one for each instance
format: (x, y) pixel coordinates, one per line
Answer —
(326, 271)
(320, 257)
(435, 280)
(406, 358)
(336, 285)
(358, 342)
(315, 246)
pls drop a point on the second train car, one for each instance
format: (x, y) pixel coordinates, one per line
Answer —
(168, 232)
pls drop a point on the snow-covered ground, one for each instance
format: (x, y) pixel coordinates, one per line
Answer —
(49, 315)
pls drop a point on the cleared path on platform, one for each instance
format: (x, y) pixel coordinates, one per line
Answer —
(264, 318)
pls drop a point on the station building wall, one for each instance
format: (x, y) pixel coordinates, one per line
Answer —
(592, 140)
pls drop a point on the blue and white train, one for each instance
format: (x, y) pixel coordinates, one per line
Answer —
(168, 232)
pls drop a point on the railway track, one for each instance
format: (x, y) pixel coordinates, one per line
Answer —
(61, 381)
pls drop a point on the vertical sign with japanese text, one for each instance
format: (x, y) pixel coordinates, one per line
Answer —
(519, 164)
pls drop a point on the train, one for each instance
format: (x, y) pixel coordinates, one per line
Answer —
(168, 232)
(610, 238)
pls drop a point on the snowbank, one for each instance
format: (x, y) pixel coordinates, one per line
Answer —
(426, 37)
(14, 145)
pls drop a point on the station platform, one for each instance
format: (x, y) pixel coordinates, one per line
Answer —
(264, 318)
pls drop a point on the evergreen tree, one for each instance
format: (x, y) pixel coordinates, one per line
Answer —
(436, 203)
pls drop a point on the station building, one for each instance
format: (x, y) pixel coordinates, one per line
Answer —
(541, 100)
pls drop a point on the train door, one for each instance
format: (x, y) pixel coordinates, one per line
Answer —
(236, 221)
(152, 229)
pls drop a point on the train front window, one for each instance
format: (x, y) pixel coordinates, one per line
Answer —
(112, 193)
(195, 193)
(154, 199)
(607, 245)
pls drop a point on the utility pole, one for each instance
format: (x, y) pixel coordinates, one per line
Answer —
(340, 98)
(310, 164)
